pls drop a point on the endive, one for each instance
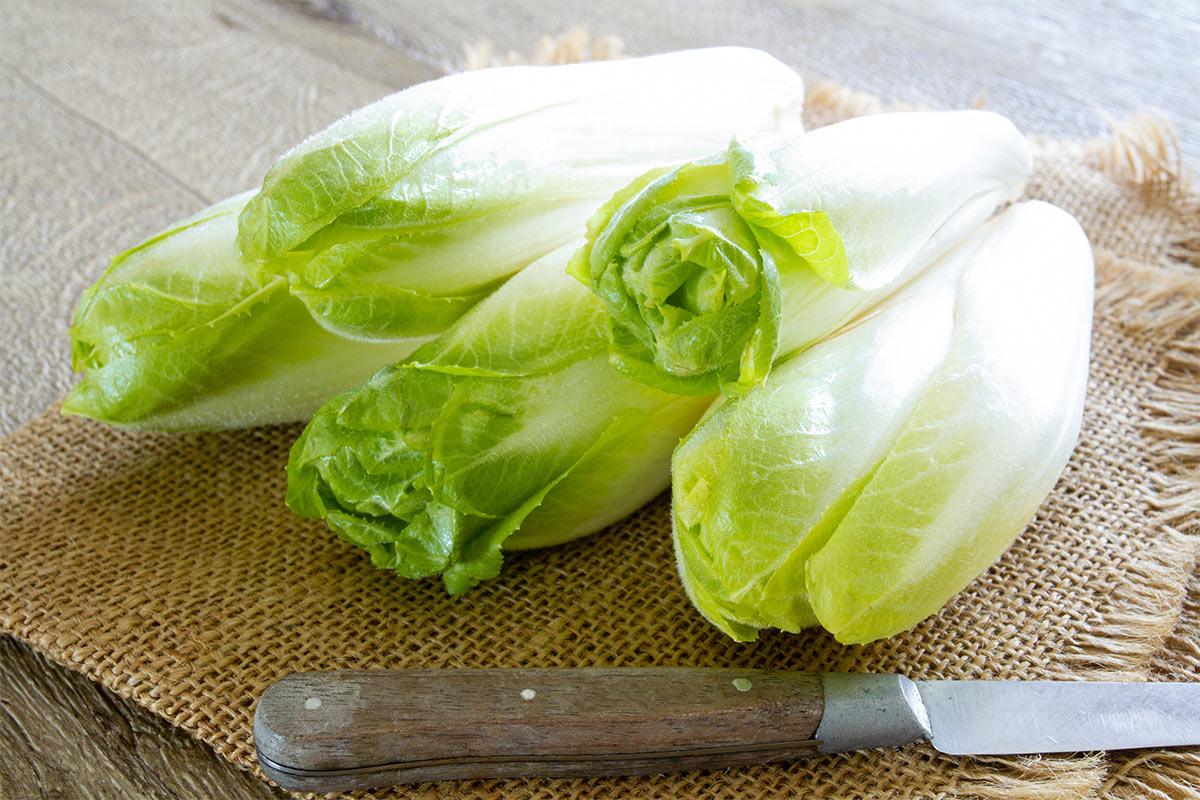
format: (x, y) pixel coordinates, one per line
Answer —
(712, 270)
(880, 471)
(510, 430)
(375, 234)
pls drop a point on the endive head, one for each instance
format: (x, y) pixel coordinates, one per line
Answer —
(706, 270)
(880, 471)
(510, 430)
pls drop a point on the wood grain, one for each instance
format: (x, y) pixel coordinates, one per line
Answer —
(361, 729)
(62, 736)
(1056, 67)
(117, 117)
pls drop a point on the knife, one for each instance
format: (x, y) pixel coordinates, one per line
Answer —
(346, 730)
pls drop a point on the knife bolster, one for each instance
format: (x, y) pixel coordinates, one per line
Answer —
(864, 711)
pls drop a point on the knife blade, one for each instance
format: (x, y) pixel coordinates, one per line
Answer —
(346, 730)
(1003, 717)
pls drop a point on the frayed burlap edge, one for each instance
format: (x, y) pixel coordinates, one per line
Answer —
(1135, 625)
(1165, 774)
(1143, 152)
(1031, 778)
(1162, 775)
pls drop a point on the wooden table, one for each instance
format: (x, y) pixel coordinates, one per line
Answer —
(120, 117)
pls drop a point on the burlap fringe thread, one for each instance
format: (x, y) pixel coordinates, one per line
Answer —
(1139, 629)
(1170, 774)
(572, 47)
(1143, 152)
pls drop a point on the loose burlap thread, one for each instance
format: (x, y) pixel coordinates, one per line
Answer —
(167, 568)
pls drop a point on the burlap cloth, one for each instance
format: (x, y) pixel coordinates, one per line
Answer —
(167, 567)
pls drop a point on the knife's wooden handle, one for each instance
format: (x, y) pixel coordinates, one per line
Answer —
(336, 731)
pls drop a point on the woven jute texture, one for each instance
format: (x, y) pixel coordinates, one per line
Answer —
(167, 567)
